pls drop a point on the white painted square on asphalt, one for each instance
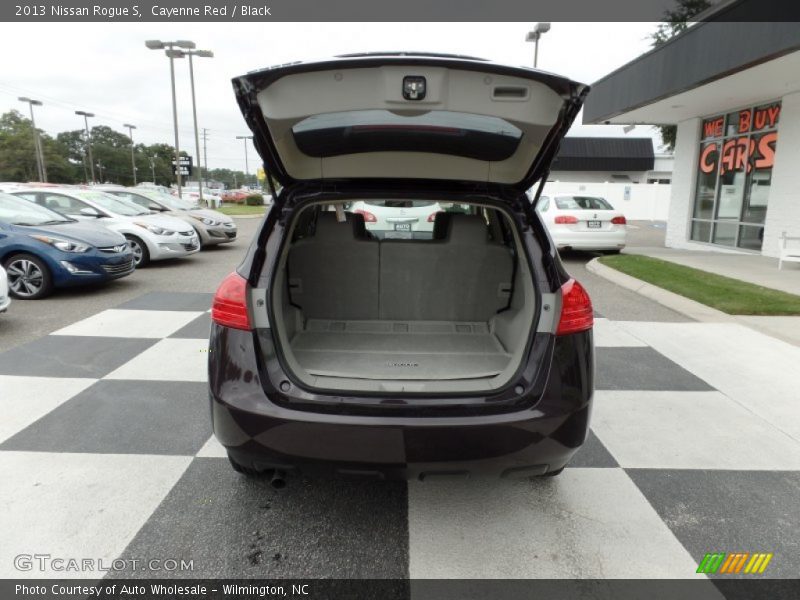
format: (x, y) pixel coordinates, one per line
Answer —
(78, 505)
(27, 399)
(131, 323)
(585, 523)
(755, 370)
(212, 449)
(168, 360)
(689, 430)
(608, 334)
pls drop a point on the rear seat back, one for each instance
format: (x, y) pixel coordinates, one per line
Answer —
(334, 273)
(464, 277)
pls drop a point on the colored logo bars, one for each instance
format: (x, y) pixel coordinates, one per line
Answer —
(738, 562)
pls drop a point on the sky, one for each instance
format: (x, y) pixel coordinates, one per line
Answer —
(106, 69)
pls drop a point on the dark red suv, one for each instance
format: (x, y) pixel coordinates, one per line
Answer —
(385, 348)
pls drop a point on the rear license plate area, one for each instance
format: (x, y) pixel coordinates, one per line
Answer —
(402, 226)
(594, 224)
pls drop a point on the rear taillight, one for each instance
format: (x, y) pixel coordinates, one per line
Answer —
(619, 221)
(566, 220)
(229, 307)
(368, 216)
(576, 309)
(432, 216)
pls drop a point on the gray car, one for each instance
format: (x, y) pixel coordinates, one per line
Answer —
(213, 227)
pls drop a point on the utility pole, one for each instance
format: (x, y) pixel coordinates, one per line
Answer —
(37, 141)
(172, 54)
(244, 138)
(86, 115)
(133, 156)
(152, 162)
(205, 155)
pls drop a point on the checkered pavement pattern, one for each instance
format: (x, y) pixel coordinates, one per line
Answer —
(106, 452)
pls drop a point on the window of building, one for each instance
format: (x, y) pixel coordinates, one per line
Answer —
(734, 175)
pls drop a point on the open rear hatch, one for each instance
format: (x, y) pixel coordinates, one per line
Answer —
(408, 116)
(455, 313)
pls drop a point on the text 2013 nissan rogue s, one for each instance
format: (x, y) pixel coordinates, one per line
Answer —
(463, 351)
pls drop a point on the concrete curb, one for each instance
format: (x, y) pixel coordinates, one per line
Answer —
(685, 306)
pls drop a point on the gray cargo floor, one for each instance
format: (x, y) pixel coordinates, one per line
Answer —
(399, 350)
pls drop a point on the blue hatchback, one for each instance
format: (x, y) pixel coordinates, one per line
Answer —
(42, 249)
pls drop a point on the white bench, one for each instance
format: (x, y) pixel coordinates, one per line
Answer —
(788, 254)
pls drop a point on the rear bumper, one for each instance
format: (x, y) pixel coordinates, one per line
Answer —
(589, 240)
(259, 431)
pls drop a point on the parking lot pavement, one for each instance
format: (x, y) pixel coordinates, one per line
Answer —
(106, 452)
(27, 320)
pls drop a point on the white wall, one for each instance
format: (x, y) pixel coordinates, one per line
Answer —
(684, 173)
(642, 202)
(783, 210)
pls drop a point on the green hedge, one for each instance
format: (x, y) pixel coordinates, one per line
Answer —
(254, 200)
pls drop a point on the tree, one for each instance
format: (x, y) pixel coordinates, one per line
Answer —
(17, 155)
(675, 21)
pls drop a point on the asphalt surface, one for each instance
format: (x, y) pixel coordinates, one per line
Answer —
(27, 320)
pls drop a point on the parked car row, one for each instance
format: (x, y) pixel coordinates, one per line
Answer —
(56, 236)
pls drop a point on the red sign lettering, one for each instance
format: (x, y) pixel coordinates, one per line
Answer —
(708, 158)
(766, 117)
(766, 150)
(744, 121)
(713, 127)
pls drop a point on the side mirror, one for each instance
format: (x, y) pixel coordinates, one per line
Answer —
(90, 212)
(155, 207)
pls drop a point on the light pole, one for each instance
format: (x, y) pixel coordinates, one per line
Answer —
(172, 54)
(201, 54)
(152, 162)
(37, 142)
(86, 115)
(533, 36)
(133, 155)
(246, 166)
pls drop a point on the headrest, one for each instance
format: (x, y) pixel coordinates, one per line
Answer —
(467, 229)
(329, 229)
(441, 224)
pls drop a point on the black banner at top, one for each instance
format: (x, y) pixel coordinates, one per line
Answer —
(380, 10)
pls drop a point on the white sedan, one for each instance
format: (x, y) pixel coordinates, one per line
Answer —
(150, 236)
(583, 223)
(5, 298)
(403, 219)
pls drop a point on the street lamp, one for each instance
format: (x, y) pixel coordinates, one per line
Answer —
(190, 54)
(37, 142)
(86, 115)
(533, 36)
(246, 166)
(133, 155)
(173, 54)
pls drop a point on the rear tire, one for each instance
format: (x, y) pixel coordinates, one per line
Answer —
(28, 277)
(244, 470)
(141, 255)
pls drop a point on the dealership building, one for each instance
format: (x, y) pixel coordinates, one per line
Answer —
(732, 87)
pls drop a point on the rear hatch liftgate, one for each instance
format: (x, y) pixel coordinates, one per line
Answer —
(407, 117)
(408, 124)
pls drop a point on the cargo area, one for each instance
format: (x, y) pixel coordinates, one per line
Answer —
(450, 309)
